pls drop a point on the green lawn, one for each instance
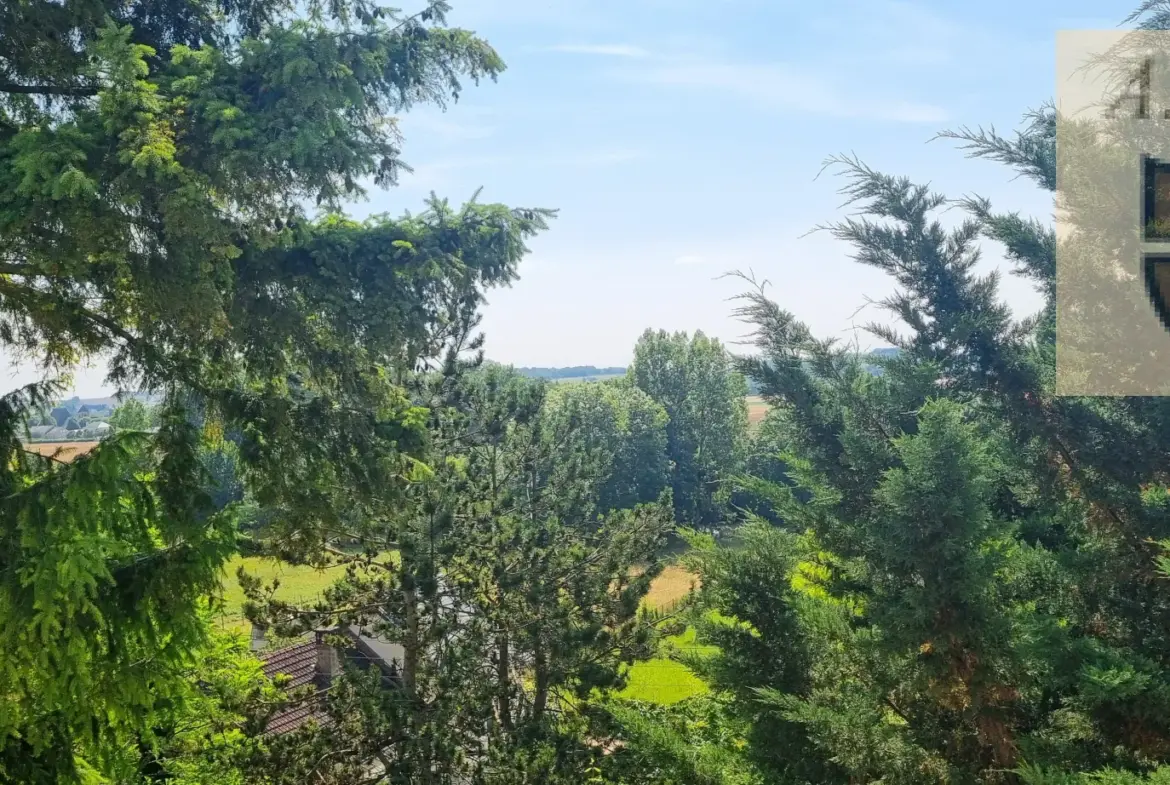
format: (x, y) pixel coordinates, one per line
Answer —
(685, 643)
(662, 681)
(297, 584)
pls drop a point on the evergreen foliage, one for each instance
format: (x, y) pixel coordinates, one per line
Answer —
(513, 593)
(106, 563)
(171, 183)
(948, 573)
(965, 586)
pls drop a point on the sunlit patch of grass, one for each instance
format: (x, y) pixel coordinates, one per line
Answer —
(662, 681)
(298, 583)
(686, 643)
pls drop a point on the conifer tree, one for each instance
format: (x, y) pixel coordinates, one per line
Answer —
(172, 182)
(970, 587)
(513, 596)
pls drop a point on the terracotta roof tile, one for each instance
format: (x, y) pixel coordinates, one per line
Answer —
(294, 717)
(299, 663)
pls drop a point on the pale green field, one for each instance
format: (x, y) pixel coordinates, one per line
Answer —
(578, 379)
(660, 680)
(297, 584)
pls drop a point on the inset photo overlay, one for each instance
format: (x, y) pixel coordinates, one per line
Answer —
(1113, 212)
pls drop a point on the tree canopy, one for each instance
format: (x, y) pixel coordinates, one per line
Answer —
(965, 585)
(172, 179)
(131, 416)
(703, 395)
(943, 571)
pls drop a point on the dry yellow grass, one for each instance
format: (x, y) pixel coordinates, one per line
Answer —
(672, 584)
(62, 451)
(757, 409)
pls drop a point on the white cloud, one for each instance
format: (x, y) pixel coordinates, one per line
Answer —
(601, 50)
(786, 87)
(689, 260)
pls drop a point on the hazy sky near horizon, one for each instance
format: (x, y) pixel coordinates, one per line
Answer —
(682, 139)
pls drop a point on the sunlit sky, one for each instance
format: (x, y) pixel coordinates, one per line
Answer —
(682, 139)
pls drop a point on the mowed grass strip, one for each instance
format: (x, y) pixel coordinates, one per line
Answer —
(662, 681)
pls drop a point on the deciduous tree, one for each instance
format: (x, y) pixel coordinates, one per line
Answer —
(693, 378)
(131, 416)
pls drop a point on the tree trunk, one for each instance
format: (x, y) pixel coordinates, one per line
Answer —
(410, 641)
(540, 665)
(503, 680)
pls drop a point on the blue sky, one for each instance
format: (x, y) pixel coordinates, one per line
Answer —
(682, 139)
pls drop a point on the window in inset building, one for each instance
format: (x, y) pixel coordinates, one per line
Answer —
(1156, 215)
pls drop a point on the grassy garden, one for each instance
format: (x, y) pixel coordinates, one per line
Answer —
(660, 680)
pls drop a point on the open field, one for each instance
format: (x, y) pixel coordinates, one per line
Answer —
(577, 379)
(298, 583)
(757, 408)
(62, 451)
(663, 680)
(301, 583)
(671, 585)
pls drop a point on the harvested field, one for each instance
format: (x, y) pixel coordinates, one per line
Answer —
(62, 451)
(671, 585)
(757, 408)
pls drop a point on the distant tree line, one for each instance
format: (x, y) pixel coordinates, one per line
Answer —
(588, 371)
(571, 372)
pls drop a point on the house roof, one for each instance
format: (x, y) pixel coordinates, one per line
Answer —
(299, 663)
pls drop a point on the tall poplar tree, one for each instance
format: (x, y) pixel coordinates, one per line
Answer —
(693, 379)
